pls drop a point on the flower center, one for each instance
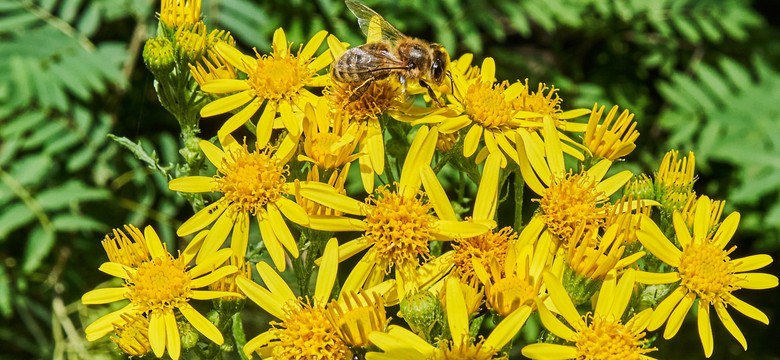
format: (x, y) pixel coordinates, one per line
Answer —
(275, 77)
(609, 340)
(377, 97)
(400, 227)
(132, 337)
(707, 271)
(571, 201)
(486, 104)
(508, 294)
(307, 334)
(161, 283)
(249, 181)
(486, 248)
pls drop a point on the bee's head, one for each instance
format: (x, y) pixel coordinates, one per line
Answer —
(441, 61)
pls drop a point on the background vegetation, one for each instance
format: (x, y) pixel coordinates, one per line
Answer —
(700, 75)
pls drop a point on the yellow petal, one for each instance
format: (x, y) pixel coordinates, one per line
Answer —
(265, 125)
(291, 123)
(116, 269)
(335, 223)
(202, 218)
(471, 141)
(705, 329)
(757, 281)
(752, 262)
(650, 278)
(571, 114)
(216, 237)
(104, 296)
(550, 351)
(258, 342)
(488, 71)
(552, 323)
(274, 282)
(239, 119)
(614, 183)
(212, 152)
(210, 294)
(153, 243)
(730, 325)
(270, 302)
(105, 324)
(213, 276)
(281, 230)
(357, 277)
(701, 217)
(239, 242)
(561, 298)
(607, 295)
(192, 184)
(526, 169)
(726, 230)
(623, 292)
(312, 46)
(226, 104)
(172, 339)
(326, 275)
(457, 312)
(328, 196)
(507, 328)
(280, 43)
(436, 194)
(224, 86)
(747, 309)
(375, 146)
(233, 56)
(681, 230)
(292, 211)
(336, 47)
(157, 333)
(654, 240)
(446, 229)
(203, 325)
(552, 148)
(678, 315)
(487, 192)
(275, 250)
(665, 308)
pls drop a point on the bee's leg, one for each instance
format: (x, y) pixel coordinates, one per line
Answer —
(361, 89)
(431, 93)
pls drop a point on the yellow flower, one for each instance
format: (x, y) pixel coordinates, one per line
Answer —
(598, 335)
(329, 142)
(252, 183)
(514, 281)
(305, 331)
(498, 112)
(705, 272)
(673, 185)
(401, 344)
(156, 287)
(356, 315)
(175, 13)
(610, 140)
(132, 335)
(278, 80)
(398, 224)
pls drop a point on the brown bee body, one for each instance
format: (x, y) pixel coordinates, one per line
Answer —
(411, 59)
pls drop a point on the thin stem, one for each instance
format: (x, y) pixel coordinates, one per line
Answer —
(519, 185)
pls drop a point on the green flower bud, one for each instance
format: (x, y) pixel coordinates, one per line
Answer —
(158, 56)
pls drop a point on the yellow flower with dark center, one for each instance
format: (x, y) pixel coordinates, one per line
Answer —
(175, 13)
(305, 330)
(356, 315)
(132, 335)
(278, 80)
(401, 344)
(252, 183)
(158, 286)
(399, 223)
(515, 281)
(610, 140)
(599, 335)
(705, 272)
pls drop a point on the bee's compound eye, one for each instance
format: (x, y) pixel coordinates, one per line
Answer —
(437, 69)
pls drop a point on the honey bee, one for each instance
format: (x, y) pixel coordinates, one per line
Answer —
(396, 54)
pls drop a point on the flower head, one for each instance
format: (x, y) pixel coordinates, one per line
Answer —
(703, 271)
(156, 287)
(175, 13)
(598, 335)
(610, 140)
(132, 335)
(252, 183)
(278, 80)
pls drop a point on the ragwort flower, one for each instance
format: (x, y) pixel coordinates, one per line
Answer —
(705, 272)
(156, 287)
(252, 183)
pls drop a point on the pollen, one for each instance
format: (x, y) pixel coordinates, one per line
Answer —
(160, 284)
(308, 334)
(277, 77)
(486, 105)
(400, 227)
(707, 270)
(249, 181)
(379, 97)
(486, 247)
(609, 340)
(571, 201)
(132, 337)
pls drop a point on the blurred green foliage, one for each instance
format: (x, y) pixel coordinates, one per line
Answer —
(700, 75)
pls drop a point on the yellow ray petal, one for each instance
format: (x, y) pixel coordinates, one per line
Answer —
(436, 194)
(678, 315)
(224, 86)
(153, 243)
(172, 339)
(552, 323)
(550, 351)
(202, 218)
(291, 123)
(213, 276)
(202, 324)
(157, 333)
(730, 325)
(701, 217)
(507, 328)
(457, 313)
(226, 104)
(375, 146)
(726, 230)
(326, 276)
(274, 282)
(265, 125)
(757, 281)
(681, 230)
(328, 196)
(239, 242)
(192, 184)
(357, 277)
(614, 183)
(216, 237)
(747, 309)
(272, 244)
(270, 302)
(281, 230)
(488, 71)
(607, 294)
(209, 262)
(552, 148)
(212, 152)
(116, 269)
(650, 278)
(662, 311)
(561, 299)
(292, 211)
(258, 342)
(350, 248)
(280, 43)
(312, 46)
(104, 296)
(105, 324)
(705, 329)
(623, 292)
(752, 262)
(487, 192)
(234, 57)
(211, 295)
(335, 223)
(446, 229)
(471, 141)
(239, 119)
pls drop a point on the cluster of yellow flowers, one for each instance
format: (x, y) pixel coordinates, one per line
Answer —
(605, 258)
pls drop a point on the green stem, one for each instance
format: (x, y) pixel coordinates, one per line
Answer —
(519, 185)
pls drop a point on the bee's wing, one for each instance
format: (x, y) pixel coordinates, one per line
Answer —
(365, 16)
(373, 61)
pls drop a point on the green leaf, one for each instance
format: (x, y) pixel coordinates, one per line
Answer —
(39, 245)
(74, 223)
(13, 217)
(73, 191)
(31, 170)
(5, 293)
(90, 19)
